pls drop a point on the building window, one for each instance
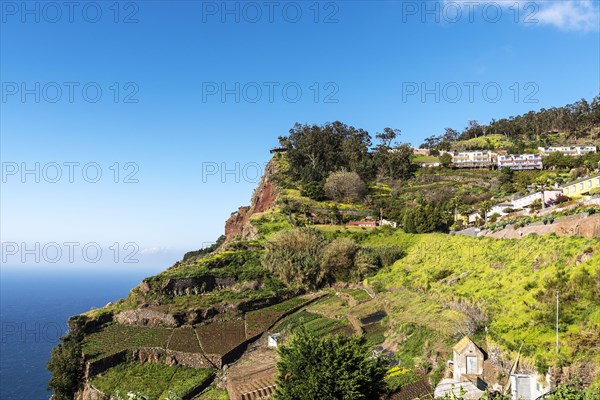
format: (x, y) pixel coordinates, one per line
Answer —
(581, 186)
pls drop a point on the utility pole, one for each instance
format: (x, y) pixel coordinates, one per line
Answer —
(557, 322)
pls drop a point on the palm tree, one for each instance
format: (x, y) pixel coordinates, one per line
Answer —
(485, 208)
(542, 183)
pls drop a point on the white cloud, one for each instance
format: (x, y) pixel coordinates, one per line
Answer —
(566, 15)
(570, 15)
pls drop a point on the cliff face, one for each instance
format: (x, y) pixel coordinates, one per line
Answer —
(239, 225)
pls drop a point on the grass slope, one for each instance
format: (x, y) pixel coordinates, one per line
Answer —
(447, 282)
(153, 380)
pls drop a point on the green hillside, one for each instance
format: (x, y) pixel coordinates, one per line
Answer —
(309, 252)
(505, 287)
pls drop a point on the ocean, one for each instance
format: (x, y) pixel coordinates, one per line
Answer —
(35, 304)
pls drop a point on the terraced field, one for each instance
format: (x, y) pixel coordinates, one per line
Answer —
(375, 333)
(115, 338)
(222, 336)
(260, 320)
(330, 306)
(153, 380)
(313, 323)
(184, 339)
(357, 294)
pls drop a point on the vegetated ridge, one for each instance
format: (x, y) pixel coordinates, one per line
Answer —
(345, 237)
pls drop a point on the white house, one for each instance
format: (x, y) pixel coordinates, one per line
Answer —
(385, 222)
(520, 161)
(472, 159)
(499, 209)
(527, 387)
(528, 199)
(467, 372)
(473, 217)
(467, 359)
(273, 340)
(568, 150)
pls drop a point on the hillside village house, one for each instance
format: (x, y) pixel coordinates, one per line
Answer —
(528, 387)
(520, 161)
(473, 159)
(467, 371)
(423, 152)
(581, 187)
(528, 199)
(467, 359)
(273, 340)
(499, 209)
(486, 158)
(363, 223)
(568, 150)
(428, 164)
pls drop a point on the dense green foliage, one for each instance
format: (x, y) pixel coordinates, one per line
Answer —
(66, 366)
(574, 391)
(304, 257)
(316, 151)
(577, 117)
(561, 161)
(427, 217)
(329, 368)
(295, 257)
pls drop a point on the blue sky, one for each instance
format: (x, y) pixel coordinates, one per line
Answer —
(162, 67)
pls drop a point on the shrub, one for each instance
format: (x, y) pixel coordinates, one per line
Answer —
(345, 187)
(591, 210)
(388, 255)
(329, 368)
(313, 190)
(337, 260)
(295, 257)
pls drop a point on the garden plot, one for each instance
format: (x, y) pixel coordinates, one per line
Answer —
(222, 336)
(316, 324)
(330, 306)
(372, 318)
(357, 294)
(260, 320)
(366, 310)
(375, 333)
(116, 337)
(255, 370)
(184, 339)
(153, 380)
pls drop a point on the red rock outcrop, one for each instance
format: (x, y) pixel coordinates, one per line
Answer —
(263, 198)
